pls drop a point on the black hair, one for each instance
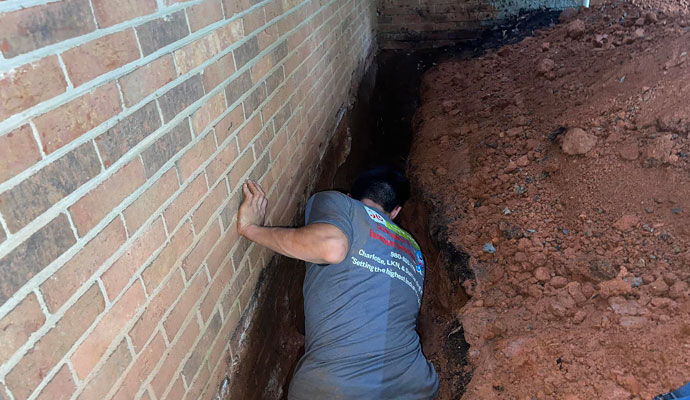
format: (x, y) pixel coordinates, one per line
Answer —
(385, 186)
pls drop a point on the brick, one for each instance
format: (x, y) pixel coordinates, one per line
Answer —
(219, 284)
(240, 168)
(254, 100)
(69, 121)
(31, 28)
(238, 87)
(94, 346)
(18, 151)
(149, 201)
(220, 164)
(30, 84)
(108, 374)
(274, 10)
(195, 156)
(159, 305)
(240, 251)
(204, 14)
(109, 13)
(230, 33)
(46, 353)
(196, 53)
(248, 290)
(229, 124)
(262, 142)
(131, 130)
(219, 71)
(198, 254)
(209, 206)
(282, 116)
(185, 201)
(161, 32)
(174, 357)
(181, 97)
(95, 58)
(177, 390)
(260, 169)
(230, 321)
(147, 79)
(208, 113)
(246, 52)
(254, 20)
(221, 251)
(166, 147)
(231, 208)
(195, 360)
(96, 204)
(261, 68)
(154, 274)
(60, 387)
(184, 307)
(34, 254)
(64, 283)
(267, 37)
(233, 7)
(35, 195)
(231, 296)
(249, 131)
(122, 270)
(274, 80)
(18, 325)
(199, 384)
(141, 369)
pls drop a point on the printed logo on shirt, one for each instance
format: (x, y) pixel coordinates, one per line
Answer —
(420, 261)
(375, 216)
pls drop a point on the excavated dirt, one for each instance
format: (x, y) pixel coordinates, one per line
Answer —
(560, 166)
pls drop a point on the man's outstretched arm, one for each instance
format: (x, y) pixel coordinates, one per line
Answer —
(316, 243)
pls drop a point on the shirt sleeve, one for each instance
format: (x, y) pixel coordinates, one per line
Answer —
(332, 208)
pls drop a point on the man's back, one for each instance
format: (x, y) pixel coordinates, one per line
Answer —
(361, 314)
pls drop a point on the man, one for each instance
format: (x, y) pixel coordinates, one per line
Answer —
(362, 291)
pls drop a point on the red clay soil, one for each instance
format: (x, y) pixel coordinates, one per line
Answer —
(561, 166)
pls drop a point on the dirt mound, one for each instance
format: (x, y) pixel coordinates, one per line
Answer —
(560, 165)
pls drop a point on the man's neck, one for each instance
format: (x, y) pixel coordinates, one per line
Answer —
(375, 205)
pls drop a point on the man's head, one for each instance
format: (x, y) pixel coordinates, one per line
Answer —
(386, 186)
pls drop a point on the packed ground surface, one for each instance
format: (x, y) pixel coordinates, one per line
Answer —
(561, 166)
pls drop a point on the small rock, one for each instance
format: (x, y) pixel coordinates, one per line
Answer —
(678, 290)
(546, 46)
(651, 18)
(579, 317)
(576, 29)
(489, 248)
(545, 66)
(448, 105)
(659, 287)
(626, 223)
(522, 161)
(512, 166)
(660, 148)
(639, 33)
(542, 274)
(633, 322)
(558, 282)
(567, 14)
(614, 287)
(577, 141)
(629, 151)
(575, 291)
(639, 22)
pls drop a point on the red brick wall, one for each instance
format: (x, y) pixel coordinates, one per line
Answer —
(126, 130)
(406, 24)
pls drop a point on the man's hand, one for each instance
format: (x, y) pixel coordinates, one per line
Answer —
(253, 209)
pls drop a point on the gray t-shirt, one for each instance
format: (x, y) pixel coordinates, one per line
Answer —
(361, 314)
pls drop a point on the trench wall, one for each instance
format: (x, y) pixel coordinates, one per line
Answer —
(419, 24)
(126, 128)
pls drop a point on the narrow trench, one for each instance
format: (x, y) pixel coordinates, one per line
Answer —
(377, 130)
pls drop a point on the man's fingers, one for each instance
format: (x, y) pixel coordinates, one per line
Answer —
(247, 193)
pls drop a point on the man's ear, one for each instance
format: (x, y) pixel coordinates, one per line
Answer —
(395, 212)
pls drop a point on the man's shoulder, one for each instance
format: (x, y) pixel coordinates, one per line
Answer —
(330, 196)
